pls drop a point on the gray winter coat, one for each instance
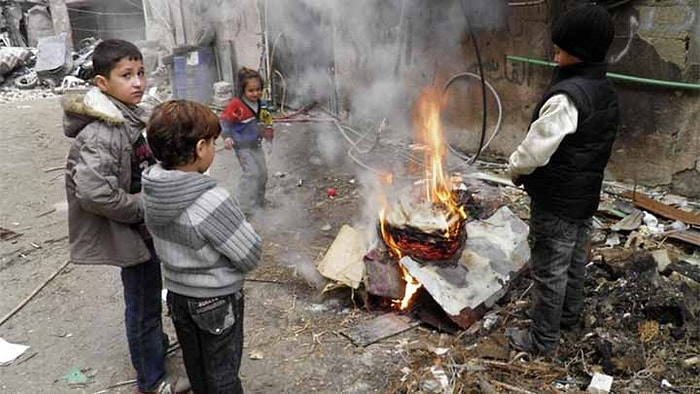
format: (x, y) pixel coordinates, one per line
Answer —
(203, 240)
(103, 217)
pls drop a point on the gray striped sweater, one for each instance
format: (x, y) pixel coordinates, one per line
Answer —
(201, 236)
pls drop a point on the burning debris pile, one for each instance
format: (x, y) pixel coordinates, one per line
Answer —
(429, 225)
(449, 256)
(427, 258)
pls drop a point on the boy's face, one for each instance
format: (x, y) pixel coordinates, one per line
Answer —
(253, 90)
(126, 82)
(564, 58)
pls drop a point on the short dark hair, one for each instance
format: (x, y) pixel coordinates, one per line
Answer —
(109, 52)
(244, 75)
(174, 129)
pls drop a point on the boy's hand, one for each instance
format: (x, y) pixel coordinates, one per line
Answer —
(228, 143)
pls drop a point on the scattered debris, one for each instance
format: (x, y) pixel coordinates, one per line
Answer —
(379, 328)
(116, 385)
(10, 351)
(689, 236)
(33, 294)
(45, 213)
(8, 235)
(343, 261)
(53, 60)
(662, 209)
(13, 57)
(640, 323)
(256, 355)
(75, 376)
(600, 384)
(630, 222)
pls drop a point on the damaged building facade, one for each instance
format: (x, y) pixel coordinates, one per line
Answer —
(313, 51)
(405, 46)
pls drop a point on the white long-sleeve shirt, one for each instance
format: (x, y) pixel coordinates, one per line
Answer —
(558, 118)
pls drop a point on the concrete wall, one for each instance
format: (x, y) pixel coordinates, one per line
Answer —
(659, 140)
(234, 23)
(659, 143)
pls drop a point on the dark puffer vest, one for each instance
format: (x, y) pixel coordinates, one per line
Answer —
(569, 185)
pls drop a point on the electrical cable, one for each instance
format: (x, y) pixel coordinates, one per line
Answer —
(284, 90)
(484, 111)
(496, 129)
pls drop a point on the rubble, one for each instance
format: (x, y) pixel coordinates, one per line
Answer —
(54, 59)
(600, 384)
(12, 95)
(495, 252)
(641, 321)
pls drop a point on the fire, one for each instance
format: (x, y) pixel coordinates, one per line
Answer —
(412, 286)
(430, 226)
(438, 189)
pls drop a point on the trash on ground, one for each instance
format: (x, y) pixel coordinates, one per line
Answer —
(10, 351)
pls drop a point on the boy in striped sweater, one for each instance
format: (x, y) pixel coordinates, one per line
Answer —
(204, 242)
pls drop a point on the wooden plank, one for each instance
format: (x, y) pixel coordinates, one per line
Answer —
(689, 236)
(662, 209)
(380, 328)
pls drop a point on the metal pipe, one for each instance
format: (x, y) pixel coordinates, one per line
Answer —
(621, 77)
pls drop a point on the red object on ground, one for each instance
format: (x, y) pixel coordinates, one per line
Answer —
(332, 192)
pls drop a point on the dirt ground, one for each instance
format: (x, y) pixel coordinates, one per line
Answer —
(292, 343)
(641, 327)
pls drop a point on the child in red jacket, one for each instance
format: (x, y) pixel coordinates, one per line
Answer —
(246, 121)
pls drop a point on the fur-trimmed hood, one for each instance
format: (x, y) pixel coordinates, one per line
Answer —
(83, 109)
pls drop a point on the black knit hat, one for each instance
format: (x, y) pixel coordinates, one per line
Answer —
(585, 32)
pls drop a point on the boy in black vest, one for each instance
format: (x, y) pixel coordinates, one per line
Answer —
(561, 163)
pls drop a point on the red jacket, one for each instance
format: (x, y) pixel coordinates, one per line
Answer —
(240, 122)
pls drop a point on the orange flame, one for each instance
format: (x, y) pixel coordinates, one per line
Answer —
(437, 189)
(412, 286)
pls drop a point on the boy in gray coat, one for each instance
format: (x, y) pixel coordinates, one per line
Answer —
(204, 242)
(105, 211)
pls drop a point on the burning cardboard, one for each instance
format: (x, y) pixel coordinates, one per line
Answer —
(343, 260)
(495, 252)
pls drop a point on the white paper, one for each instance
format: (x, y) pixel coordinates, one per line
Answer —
(10, 351)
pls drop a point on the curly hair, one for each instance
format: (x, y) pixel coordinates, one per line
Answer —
(175, 128)
(244, 75)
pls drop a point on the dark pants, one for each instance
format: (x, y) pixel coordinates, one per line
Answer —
(251, 188)
(144, 328)
(559, 253)
(210, 331)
